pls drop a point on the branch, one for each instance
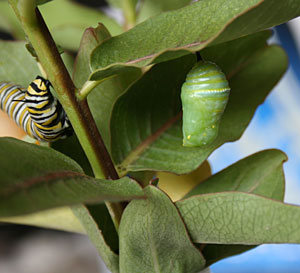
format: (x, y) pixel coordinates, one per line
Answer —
(78, 111)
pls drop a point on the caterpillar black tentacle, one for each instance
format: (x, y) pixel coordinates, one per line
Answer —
(204, 96)
(35, 110)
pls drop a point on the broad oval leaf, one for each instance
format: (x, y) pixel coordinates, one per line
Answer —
(144, 111)
(232, 55)
(146, 120)
(240, 218)
(260, 173)
(102, 98)
(35, 178)
(190, 28)
(90, 39)
(153, 238)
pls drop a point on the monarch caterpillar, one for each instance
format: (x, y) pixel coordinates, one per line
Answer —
(35, 110)
(204, 96)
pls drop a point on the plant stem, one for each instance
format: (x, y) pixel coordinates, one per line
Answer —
(87, 87)
(78, 111)
(129, 12)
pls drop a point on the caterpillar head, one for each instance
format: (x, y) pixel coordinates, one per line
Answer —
(39, 87)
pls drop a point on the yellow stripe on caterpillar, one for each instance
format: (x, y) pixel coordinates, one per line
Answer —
(35, 109)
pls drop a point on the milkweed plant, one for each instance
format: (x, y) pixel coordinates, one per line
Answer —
(123, 176)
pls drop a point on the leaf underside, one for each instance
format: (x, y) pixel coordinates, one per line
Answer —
(149, 229)
(146, 120)
(44, 178)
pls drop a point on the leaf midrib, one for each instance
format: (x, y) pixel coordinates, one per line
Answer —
(197, 44)
(133, 155)
(45, 178)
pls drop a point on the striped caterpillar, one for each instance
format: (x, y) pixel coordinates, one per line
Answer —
(35, 110)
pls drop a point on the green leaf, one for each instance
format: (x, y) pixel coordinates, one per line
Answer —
(150, 8)
(44, 178)
(260, 173)
(68, 60)
(110, 258)
(146, 121)
(102, 98)
(58, 218)
(100, 102)
(267, 14)
(240, 218)
(98, 216)
(5, 25)
(68, 26)
(173, 33)
(90, 39)
(144, 178)
(153, 238)
(216, 252)
(145, 109)
(96, 219)
(13, 58)
(232, 55)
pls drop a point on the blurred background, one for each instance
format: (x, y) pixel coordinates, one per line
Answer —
(25, 249)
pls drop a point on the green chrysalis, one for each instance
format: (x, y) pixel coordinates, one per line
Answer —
(204, 96)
